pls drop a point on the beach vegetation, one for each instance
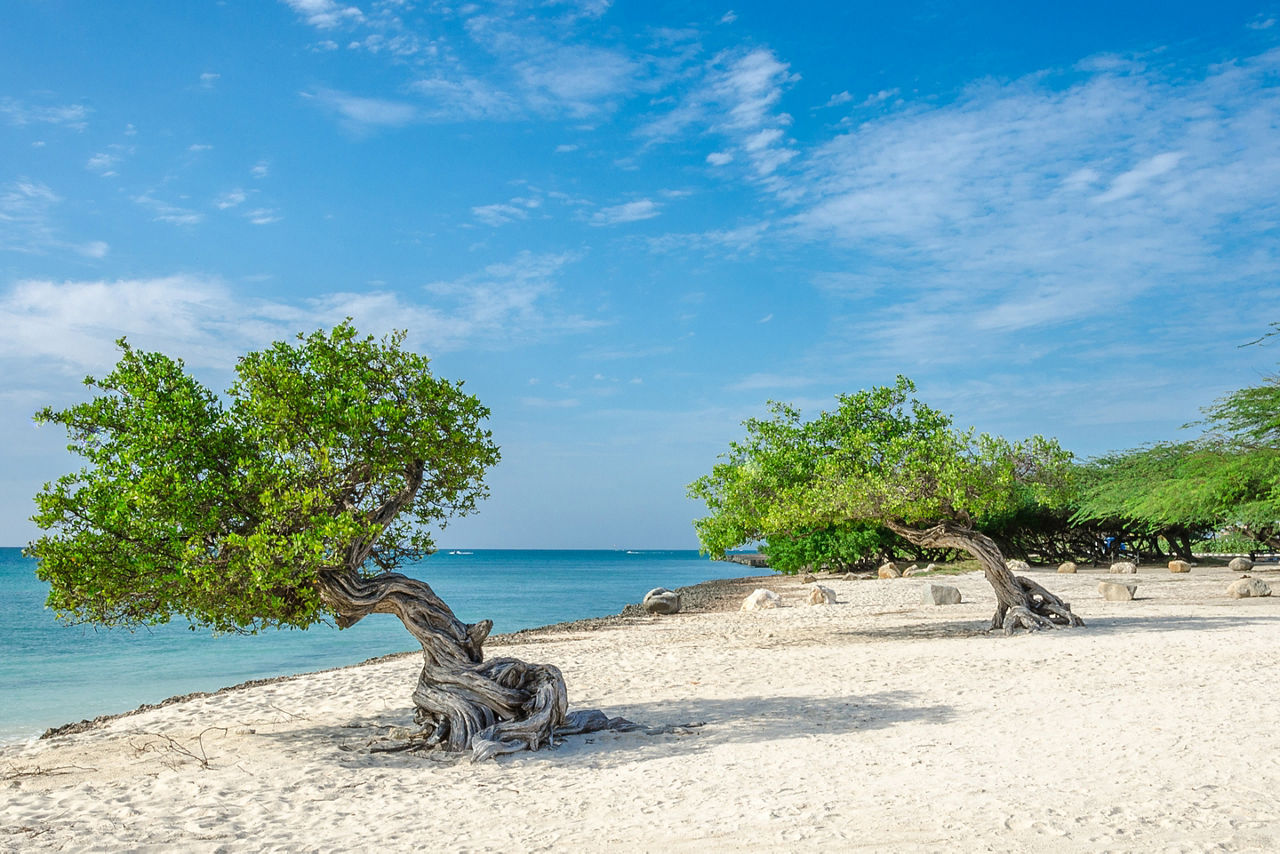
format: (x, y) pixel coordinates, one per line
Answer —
(330, 463)
(886, 459)
(1183, 493)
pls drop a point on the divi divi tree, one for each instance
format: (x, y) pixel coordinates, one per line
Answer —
(885, 458)
(289, 502)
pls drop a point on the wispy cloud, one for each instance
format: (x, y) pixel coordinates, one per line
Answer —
(498, 62)
(27, 222)
(502, 213)
(20, 114)
(230, 199)
(325, 14)
(73, 325)
(628, 212)
(263, 216)
(737, 95)
(1013, 219)
(163, 211)
(361, 114)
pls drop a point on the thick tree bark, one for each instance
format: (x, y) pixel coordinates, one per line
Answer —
(1020, 602)
(464, 702)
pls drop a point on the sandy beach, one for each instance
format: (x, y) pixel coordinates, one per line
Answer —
(877, 724)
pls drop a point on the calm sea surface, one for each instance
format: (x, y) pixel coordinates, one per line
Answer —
(52, 674)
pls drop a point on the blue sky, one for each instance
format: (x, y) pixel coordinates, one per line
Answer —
(629, 225)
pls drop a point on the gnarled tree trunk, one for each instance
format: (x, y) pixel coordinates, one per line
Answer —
(464, 702)
(1019, 600)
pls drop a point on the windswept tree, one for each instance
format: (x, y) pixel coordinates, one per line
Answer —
(884, 458)
(290, 504)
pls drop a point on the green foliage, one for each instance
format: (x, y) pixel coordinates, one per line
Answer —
(331, 453)
(1230, 477)
(880, 456)
(1230, 544)
(834, 547)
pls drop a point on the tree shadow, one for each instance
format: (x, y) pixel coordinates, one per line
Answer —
(920, 631)
(692, 724)
(749, 720)
(1119, 624)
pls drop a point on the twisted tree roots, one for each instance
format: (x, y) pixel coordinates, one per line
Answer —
(462, 701)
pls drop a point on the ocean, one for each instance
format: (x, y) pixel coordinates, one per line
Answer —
(51, 674)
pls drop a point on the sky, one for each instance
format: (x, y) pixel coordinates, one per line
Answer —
(628, 225)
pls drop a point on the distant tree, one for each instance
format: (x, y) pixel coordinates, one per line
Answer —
(290, 504)
(1227, 478)
(884, 458)
(839, 546)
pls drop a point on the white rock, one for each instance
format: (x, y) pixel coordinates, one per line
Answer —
(1124, 567)
(940, 594)
(889, 570)
(914, 569)
(821, 595)
(1243, 588)
(1016, 565)
(660, 600)
(1179, 566)
(1240, 564)
(1068, 567)
(761, 599)
(1117, 591)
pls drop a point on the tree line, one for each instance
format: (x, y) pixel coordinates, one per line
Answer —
(787, 485)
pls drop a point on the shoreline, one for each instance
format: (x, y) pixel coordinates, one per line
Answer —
(709, 595)
(876, 723)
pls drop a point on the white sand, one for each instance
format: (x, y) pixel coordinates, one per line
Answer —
(877, 724)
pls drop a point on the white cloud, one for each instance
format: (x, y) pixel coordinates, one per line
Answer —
(70, 327)
(230, 199)
(208, 79)
(1047, 204)
(25, 208)
(719, 158)
(1139, 177)
(838, 99)
(628, 212)
(359, 113)
(199, 147)
(27, 222)
(325, 14)
(261, 169)
(167, 212)
(20, 114)
(738, 96)
(744, 239)
(498, 214)
(262, 216)
(102, 163)
(565, 149)
(728, 17)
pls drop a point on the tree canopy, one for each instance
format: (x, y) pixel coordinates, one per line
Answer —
(884, 458)
(333, 452)
(880, 457)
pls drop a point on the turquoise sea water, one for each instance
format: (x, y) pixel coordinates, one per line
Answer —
(52, 674)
